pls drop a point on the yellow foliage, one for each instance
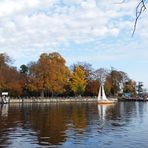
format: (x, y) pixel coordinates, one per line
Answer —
(78, 82)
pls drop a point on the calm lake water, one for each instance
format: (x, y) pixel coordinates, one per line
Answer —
(71, 125)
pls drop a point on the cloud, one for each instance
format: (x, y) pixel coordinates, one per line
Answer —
(31, 26)
(13, 7)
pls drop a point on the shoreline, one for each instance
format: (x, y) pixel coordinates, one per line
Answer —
(62, 99)
(52, 100)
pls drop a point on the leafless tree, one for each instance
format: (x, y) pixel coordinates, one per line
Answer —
(101, 74)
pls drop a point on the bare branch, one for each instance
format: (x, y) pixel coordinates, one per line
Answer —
(141, 7)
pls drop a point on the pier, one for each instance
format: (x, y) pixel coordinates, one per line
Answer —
(133, 99)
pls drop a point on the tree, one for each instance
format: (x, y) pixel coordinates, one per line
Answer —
(49, 73)
(78, 82)
(9, 76)
(24, 78)
(4, 60)
(140, 89)
(130, 87)
(59, 73)
(101, 74)
(117, 80)
(86, 67)
(92, 88)
(12, 82)
(91, 84)
(33, 79)
(24, 69)
(108, 85)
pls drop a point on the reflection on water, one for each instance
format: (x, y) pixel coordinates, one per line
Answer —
(103, 111)
(4, 109)
(74, 125)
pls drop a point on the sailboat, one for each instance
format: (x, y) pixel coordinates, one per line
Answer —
(102, 99)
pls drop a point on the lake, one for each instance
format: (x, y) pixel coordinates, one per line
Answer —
(71, 125)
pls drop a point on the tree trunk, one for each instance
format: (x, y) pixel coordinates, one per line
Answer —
(52, 94)
(42, 93)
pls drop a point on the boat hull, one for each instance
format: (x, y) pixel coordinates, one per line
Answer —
(106, 102)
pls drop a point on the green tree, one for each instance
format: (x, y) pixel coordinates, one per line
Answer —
(24, 78)
(78, 82)
(24, 69)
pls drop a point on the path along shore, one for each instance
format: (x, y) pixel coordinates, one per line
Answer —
(48, 100)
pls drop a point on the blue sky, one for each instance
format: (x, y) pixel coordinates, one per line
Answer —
(95, 31)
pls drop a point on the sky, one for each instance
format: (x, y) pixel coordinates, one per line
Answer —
(98, 32)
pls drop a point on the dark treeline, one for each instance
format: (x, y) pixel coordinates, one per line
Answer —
(49, 76)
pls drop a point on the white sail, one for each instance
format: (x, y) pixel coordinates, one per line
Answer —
(101, 95)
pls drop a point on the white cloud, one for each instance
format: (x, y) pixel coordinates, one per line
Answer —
(13, 7)
(28, 26)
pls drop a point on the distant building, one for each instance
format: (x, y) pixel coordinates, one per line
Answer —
(127, 94)
(4, 93)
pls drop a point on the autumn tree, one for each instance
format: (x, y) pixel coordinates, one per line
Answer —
(59, 73)
(130, 87)
(78, 82)
(4, 61)
(49, 73)
(91, 84)
(33, 79)
(86, 67)
(12, 81)
(39, 74)
(92, 88)
(9, 76)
